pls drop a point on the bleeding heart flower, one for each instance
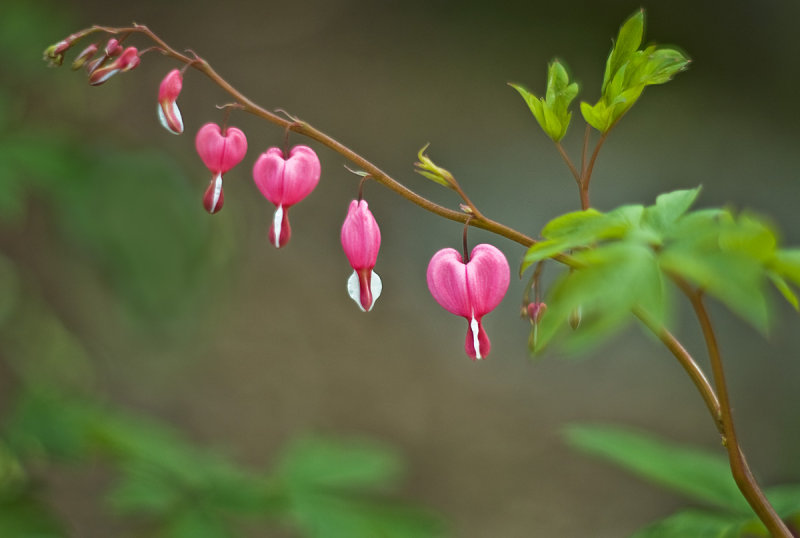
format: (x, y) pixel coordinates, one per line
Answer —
(168, 112)
(126, 61)
(361, 240)
(284, 182)
(470, 289)
(220, 151)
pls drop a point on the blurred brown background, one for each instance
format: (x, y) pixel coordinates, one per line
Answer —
(278, 349)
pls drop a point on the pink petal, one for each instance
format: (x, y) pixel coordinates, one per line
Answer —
(361, 236)
(488, 276)
(301, 174)
(447, 282)
(171, 86)
(220, 153)
(268, 175)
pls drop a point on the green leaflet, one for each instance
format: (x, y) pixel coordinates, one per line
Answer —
(628, 71)
(552, 110)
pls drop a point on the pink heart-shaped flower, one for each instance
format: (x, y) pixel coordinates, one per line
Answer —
(471, 289)
(220, 152)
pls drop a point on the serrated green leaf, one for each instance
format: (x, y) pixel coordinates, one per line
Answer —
(628, 40)
(552, 110)
(571, 224)
(316, 462)
(786, 262)
(783, 287)
(695, 524)
(612, 279)
(540, 251)
(596, 115)
(749, 236)
(697, 474)
(734, 279)
(669, 207)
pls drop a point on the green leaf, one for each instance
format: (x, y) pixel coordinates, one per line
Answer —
(326, 516)
(24, 516)
(669, 207)
(787, 263)
(315, 462)
(628, 40)
(784, 288)
(736, 280)
(197, 523)
(612, 279)
(552, 111)
(696, 474)
(785, 499)
(598, 116)
(695, 524)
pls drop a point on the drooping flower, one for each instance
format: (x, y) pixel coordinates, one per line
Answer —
(127, 60)
(168, 112)
(220, 151)
(284, 182)
(470, 289)
(361, 240)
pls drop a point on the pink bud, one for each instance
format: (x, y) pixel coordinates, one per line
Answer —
(536, 311)
(113, 48)
(85, 55)
(361, 240)
(124, 62)
(470, 289)
(168, 112)
(284, 182)
(219, 152)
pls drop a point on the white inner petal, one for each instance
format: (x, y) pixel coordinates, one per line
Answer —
(277, 219)
(376, 286)
(354, 290)
(177, 113)
(162, 118)
(217, 190)
(473, 327)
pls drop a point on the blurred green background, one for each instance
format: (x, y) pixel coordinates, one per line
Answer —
(198, 321)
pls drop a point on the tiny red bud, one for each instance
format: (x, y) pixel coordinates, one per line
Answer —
(536, 311)
(113, 48)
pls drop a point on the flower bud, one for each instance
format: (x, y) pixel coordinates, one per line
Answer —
(113, 48)
(126, 61)
(575, 317)
(361, 241)
(536, 311)
(168, 112)
(85, 55)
